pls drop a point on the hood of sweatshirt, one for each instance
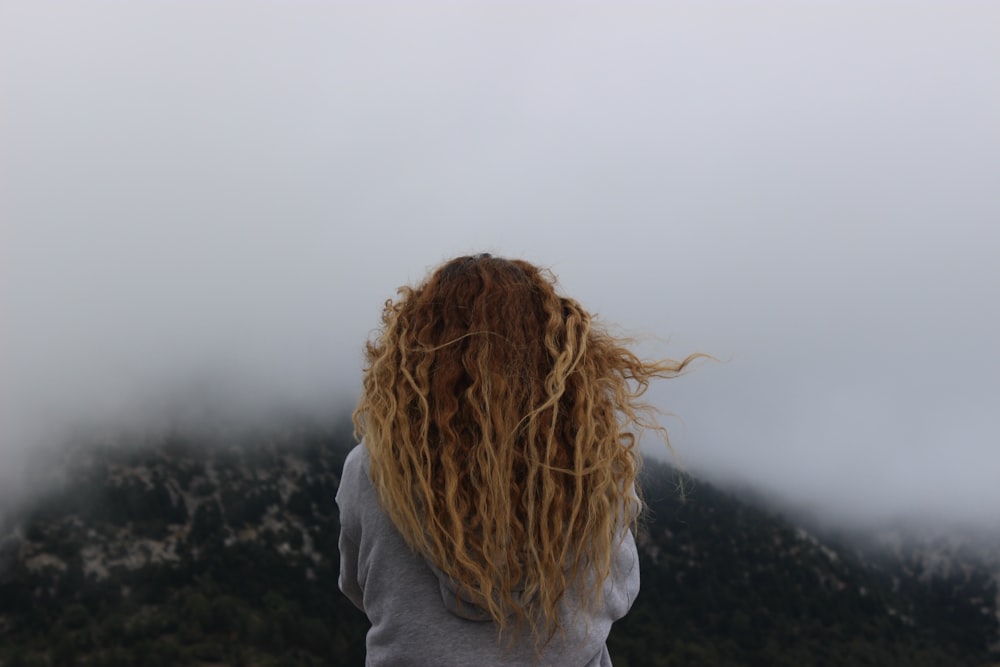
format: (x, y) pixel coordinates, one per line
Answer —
(459, 600)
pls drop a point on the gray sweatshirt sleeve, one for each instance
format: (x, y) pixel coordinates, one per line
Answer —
(350, 529)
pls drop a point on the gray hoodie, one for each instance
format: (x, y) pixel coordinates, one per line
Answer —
(418, 618)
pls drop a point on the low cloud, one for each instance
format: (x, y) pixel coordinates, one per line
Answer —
(202, 199)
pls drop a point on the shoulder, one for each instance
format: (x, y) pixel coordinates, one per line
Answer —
(357, 458)
(354, 477)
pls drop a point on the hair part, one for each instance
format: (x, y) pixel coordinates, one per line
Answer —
(502, 424)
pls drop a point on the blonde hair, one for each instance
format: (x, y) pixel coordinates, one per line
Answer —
(502, 428)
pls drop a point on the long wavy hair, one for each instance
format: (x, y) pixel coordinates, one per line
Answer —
(502, 427)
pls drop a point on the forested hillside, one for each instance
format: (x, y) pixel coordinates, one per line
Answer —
(221, 549)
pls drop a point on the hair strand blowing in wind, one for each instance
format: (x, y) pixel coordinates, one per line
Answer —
(502, 427)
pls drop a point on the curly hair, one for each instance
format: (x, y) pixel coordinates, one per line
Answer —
(502, 426)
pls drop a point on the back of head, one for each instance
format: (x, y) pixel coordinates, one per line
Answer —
(501, 426)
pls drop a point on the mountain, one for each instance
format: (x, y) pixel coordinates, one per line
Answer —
(726, 582)
(222, 549)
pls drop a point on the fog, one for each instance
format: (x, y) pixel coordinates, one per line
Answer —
(215, 198)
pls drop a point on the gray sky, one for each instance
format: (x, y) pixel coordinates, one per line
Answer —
(224, 193)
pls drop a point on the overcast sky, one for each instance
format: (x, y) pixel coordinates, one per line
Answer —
(224, 193)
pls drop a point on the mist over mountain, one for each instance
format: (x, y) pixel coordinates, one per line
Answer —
(804, 190)
(210, 546)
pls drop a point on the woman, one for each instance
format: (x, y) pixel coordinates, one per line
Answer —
(486, 517)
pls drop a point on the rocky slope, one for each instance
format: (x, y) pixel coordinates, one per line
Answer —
(222, 550)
